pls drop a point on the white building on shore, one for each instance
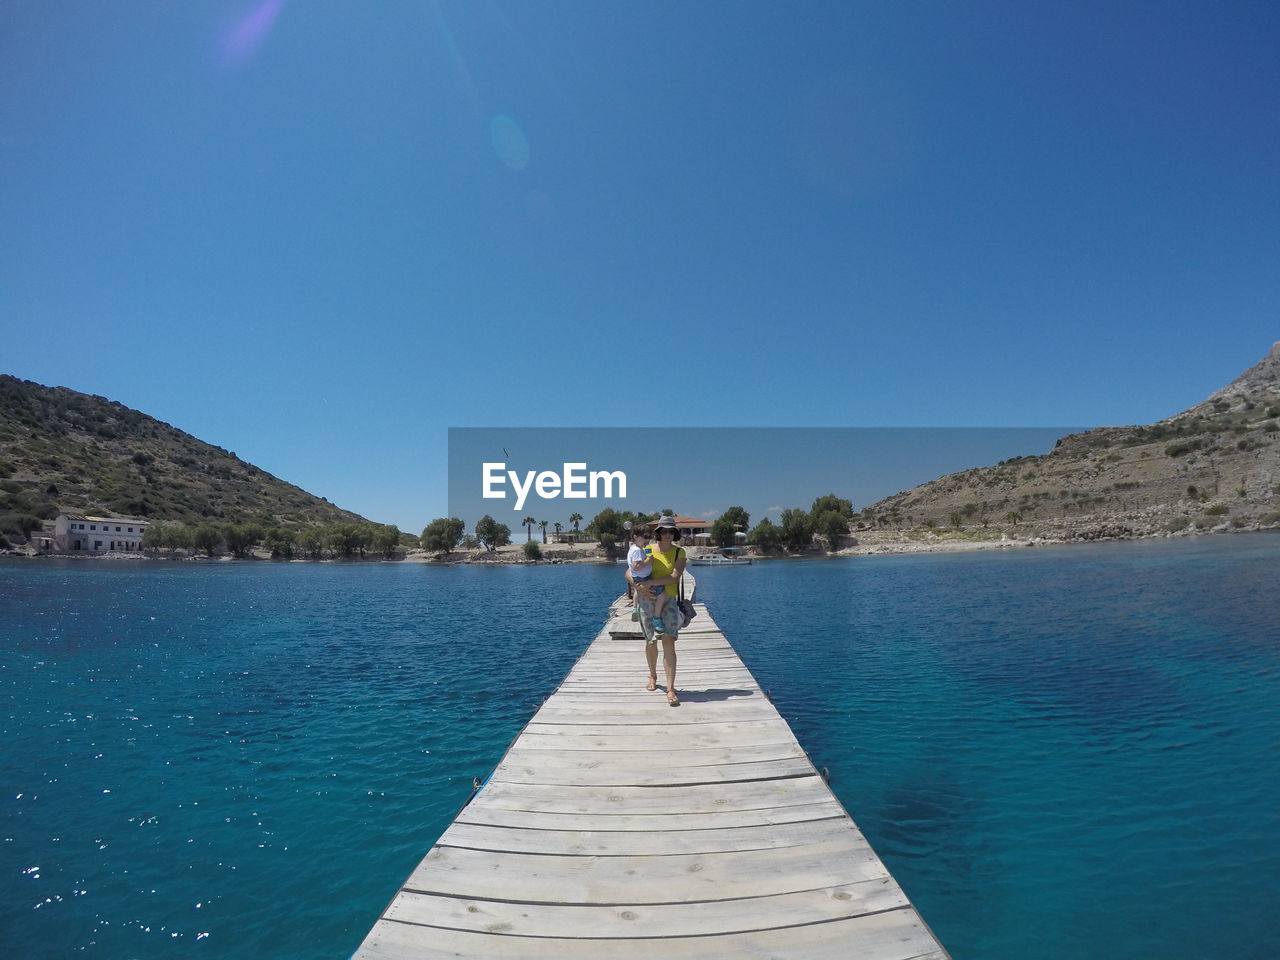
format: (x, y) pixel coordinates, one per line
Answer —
(74, 532)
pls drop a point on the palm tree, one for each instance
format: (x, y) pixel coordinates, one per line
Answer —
(543, 525)
(574, 519)
(559, 526)
(528, 523)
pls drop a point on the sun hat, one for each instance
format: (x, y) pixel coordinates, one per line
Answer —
(668, 522)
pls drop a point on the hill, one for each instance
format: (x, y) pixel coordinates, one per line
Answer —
(1215, 465)
(68, 452)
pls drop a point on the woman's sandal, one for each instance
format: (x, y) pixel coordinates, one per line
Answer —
(652, 684)
(672, 699)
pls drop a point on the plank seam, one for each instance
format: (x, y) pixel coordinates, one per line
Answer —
(598, 856)
(678, 936)
(688, 764)
(762, 826)
(639, 721)
(662, 903)
(677, 813)
(628, 723)
(694, 753)
(650, 786)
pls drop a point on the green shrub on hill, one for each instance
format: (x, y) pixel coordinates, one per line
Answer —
(1178, 449)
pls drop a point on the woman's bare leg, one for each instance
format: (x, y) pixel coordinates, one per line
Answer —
(651, 655)
(669, 663)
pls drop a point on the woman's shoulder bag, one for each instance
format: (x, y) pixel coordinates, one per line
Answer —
(686, 606)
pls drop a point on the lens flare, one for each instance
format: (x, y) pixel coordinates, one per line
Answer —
(247, 35)
(509, 142)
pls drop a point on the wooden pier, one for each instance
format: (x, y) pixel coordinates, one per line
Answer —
(620, 827)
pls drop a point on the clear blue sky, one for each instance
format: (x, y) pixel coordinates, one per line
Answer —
(320, 233)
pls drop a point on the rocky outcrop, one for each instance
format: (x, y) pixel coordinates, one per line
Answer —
(1262, 379)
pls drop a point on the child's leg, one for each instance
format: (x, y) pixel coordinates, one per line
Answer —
(633, 594)
(658, 595)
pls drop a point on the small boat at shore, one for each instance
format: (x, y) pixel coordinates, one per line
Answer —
(716, 560)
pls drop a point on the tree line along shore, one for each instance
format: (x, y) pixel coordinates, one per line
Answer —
(825, 523)
(830, 519)
(829, 526)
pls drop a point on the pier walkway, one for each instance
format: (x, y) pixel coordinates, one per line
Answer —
(620, 827)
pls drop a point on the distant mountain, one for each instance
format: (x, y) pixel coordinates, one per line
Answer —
(63, 451)
(1213, 466)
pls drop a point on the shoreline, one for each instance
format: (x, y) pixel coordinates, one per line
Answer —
(561, 554)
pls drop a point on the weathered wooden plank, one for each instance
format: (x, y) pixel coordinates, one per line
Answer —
(626, 659)
(629, 752)
(651, 822)
(593, 773)
(635, 684)
(707, 798)
(677, 838)
(638, 698)
(705, 734)
(633, 681)
(740, 688)
(730, 729)
(626, 669)
(657, 711)
(649, 920)
(895, 935)
(626, 651)
(692, 877)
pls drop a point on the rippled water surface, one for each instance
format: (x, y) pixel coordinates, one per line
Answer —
(247, 760)
(1067, 753)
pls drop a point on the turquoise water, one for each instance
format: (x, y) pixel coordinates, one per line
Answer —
(1066, 753)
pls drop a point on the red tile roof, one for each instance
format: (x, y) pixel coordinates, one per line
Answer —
(690, 521)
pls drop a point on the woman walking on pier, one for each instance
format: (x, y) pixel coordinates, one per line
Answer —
(668, 566)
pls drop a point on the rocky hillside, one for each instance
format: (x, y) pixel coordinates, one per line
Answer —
(1213, 466)
(63, 451)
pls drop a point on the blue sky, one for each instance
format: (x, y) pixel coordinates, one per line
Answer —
(320, 234)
